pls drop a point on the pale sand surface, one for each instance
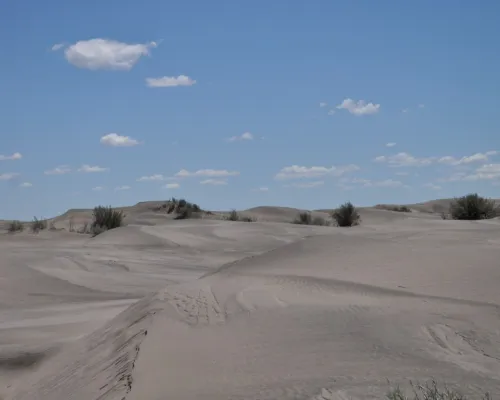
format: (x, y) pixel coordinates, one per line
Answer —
(231, 310)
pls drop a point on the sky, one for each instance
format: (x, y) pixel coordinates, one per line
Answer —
(235, 104)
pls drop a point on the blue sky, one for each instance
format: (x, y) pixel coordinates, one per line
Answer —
(235, 104)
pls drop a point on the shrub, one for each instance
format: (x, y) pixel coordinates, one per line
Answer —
(320, 221)
(15, 226)
(38, 225)
(52, 226)
(233, 216)
(106, 218)
(393, 208)
(71, 224)
(86, 228)
(247, 219)
(473, 207)
(346, 215)
(304, 218)
(183, 208)
(429, 391)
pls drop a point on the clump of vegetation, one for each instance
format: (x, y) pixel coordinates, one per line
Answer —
(429, 391)
(473, 207)
(71, 224)
(393, 208)
(38, 225)
(183, 208)
(86, 228)
(15, 226)
(305, 218)
(346, 215)
(52, 226)
(234, 216)
(106, 218)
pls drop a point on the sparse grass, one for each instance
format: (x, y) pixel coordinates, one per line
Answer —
(429, 391)
(473, 207)
(38, 225)
(346, 215)
(15, 226)
(106, 218)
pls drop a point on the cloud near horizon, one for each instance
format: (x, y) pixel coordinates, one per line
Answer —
(297, 172)
(115, 140)
(170, 81)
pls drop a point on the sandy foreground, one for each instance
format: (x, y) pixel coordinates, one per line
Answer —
(209, 309)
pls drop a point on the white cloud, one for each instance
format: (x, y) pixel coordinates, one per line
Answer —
(172, 185)
(478, 157)
(15, 156)
(296, 171)
(98, 188)
(206, 172)
(60, 170)
(92, 168)
(404, 160)
(323, 104)
(8, 176)
(243, 136)
(156, 177)
(123, 188)
(113, 139)
(214, 182)
(485, 172)
(263, 189)
(305, 185)
(170, 81)
(26, 185)
(390, 144)
(57, 46)
(359, 107)
(432, 186)
(405, 110)
(384, 183)
(331, 112)
(106, 54)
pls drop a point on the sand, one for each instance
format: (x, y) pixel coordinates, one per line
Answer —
(266, 310)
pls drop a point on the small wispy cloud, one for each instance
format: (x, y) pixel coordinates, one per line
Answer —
(156, 177)
(60, 170)
(92, 169)
(98, 188)
(432, 186)
(243, 136)
(331, 112)
(405, 160)
(390, 144)
(262, 189)
(477, 157)
(8, 176)
(57, 46)
(421, 106)
(305, 185)
(115, 140)
(297, 171)
(26, 185)
(15, 156)
(323, 104)
(405, 110)
(215, 182)
(359, 108)
(387, 183)
(170, 81)
(125, 187)
(172, 186)
(183, 173)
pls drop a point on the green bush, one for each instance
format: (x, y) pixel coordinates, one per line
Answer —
(106, 218)
(15, 226)
(346, 215)
(473, 207)
(38, 225)
(183, 208)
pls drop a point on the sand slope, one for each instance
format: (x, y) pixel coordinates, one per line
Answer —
(259, 310)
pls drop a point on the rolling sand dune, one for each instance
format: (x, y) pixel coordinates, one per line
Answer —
(231, 310)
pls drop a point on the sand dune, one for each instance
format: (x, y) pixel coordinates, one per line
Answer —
(267, 310)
